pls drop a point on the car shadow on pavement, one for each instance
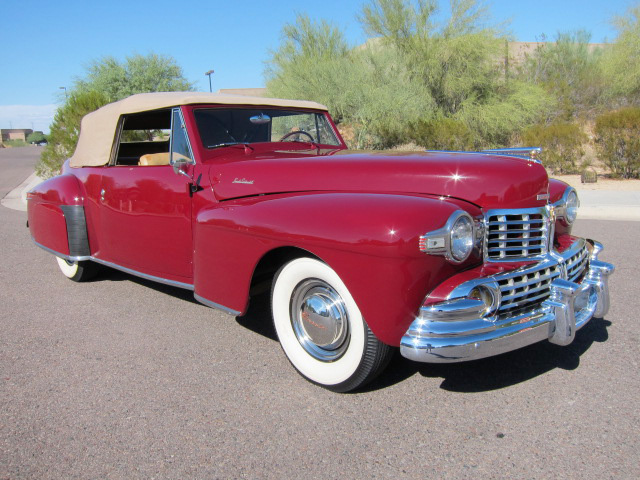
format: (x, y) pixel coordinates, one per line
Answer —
(468, 377)
(482, 375)
(113, 275)
(258, 317)
(500, 371)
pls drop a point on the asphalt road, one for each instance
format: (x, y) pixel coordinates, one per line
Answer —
(123, 378)
(16, 164)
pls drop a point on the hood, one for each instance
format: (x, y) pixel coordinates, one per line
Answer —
(489, 181)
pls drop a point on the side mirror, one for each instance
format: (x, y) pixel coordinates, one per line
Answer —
(180, 166)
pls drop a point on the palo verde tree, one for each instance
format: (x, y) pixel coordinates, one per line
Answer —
(107, 80)
(571, 71)
(415, 71)
(622, 60)
(456, 61)
(364, 87)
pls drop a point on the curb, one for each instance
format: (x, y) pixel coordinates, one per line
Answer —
(16, 199)
(627, 213)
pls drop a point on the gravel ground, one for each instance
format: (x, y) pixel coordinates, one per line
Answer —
(123, 378)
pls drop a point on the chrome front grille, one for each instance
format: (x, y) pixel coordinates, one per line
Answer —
(525, 289)
(515, 235)
(576, 264)
(522, 291)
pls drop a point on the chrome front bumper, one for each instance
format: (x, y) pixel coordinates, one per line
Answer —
(449, 332)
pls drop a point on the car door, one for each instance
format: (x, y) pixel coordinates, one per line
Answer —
(145, 205)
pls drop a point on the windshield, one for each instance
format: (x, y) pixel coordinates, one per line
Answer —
(220, 127)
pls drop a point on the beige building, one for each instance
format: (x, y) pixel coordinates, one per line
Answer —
(15, 134)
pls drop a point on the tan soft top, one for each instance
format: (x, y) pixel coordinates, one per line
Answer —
(98, 128)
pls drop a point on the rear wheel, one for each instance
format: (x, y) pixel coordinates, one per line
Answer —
(321, 329)
(78, 271)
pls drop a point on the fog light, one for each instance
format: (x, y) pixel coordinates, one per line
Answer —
(490, 296)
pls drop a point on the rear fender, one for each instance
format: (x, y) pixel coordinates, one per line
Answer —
(56, 217)
(370, 240)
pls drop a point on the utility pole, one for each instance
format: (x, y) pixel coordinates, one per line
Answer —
(209, 75)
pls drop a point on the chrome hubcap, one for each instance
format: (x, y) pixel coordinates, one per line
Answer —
(319, 319)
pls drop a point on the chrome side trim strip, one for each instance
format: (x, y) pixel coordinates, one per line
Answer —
(146, 276)
(217, 306)
(165, 281)
(61, 255)
(71, 258)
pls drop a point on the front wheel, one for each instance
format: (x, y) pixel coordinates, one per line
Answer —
(78, 271)
(321, 329)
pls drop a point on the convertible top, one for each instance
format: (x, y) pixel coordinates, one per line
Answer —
(98, 128)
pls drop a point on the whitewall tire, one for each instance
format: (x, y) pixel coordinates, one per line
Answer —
(321, 329)
(78, 271)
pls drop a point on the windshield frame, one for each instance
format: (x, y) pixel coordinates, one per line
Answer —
(263, 145)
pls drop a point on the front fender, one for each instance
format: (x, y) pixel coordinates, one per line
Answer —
(56, 216)
(370, 240)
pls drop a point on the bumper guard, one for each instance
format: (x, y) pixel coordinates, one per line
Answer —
(454, 331)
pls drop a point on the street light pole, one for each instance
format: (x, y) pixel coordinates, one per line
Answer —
(209, 75)
(66, 95)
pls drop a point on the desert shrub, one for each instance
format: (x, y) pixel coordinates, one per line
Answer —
(561, 142)
(618, 141)
(622, 59)
(416, 67)
(441, 134)
(36, 137)
(15, 143)
(65, 130)
(570, 70)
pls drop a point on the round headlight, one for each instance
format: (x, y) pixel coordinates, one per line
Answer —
(461, 238)
(572, 207)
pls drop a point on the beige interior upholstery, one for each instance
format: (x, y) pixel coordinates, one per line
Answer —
(154, 159)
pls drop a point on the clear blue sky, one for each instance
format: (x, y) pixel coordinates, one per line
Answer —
(47, 44)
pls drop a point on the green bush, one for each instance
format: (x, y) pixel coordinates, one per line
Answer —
(65, 130)
(561, 143)
(618, 141)
(442, 134)
(36, 137)
(15, 143)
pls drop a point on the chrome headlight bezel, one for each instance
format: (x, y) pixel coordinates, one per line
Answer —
(566, 209)
(442, 241)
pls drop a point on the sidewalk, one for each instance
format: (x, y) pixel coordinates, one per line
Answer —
(16, 199)
(606, 200)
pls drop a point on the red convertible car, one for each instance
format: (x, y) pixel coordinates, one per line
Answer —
(450, 256)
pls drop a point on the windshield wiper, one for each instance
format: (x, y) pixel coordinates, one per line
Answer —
(227, 144)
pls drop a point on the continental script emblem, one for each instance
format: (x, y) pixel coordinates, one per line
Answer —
(243, 180)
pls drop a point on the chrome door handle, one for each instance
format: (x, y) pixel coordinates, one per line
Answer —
(102, 192)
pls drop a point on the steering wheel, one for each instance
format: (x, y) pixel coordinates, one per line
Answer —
(298, 132)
